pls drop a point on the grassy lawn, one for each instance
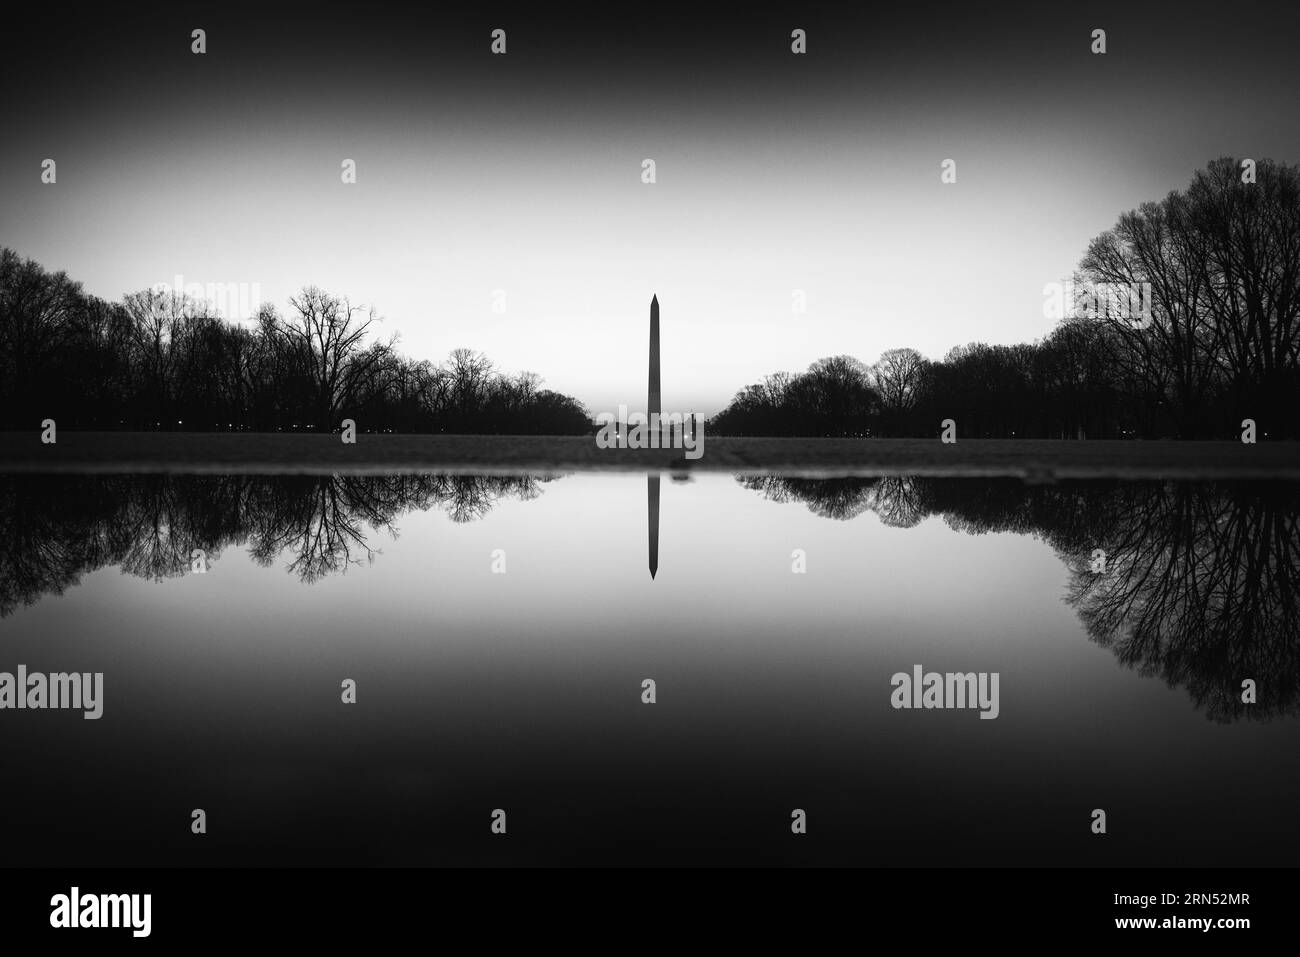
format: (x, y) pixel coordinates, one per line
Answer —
(293, 452)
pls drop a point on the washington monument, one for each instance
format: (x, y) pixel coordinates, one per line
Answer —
(653, 409)
(652, 414)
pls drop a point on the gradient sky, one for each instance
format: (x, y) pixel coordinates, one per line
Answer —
(522, 173)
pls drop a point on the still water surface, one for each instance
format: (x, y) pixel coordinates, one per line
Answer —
(521, 689)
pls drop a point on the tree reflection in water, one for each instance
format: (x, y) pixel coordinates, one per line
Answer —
(54, 529)
(1191, 582)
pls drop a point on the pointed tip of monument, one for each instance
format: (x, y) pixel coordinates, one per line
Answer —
(652, 573)
(654, 300)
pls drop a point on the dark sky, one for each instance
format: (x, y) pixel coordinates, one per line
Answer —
(522, 173)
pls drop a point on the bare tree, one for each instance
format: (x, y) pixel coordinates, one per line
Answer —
(36, 311)
(1223, 264)
(470, 372)
(329, 334)
(896, 377)
(161, 321)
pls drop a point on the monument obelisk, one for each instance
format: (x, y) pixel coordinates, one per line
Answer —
(652, 415)
(653, 409)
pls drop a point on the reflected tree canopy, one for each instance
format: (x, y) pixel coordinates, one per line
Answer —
(54, 529)
(1191, 582)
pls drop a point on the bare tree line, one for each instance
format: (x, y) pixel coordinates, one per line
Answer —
(160, 359)
(1219, 266)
